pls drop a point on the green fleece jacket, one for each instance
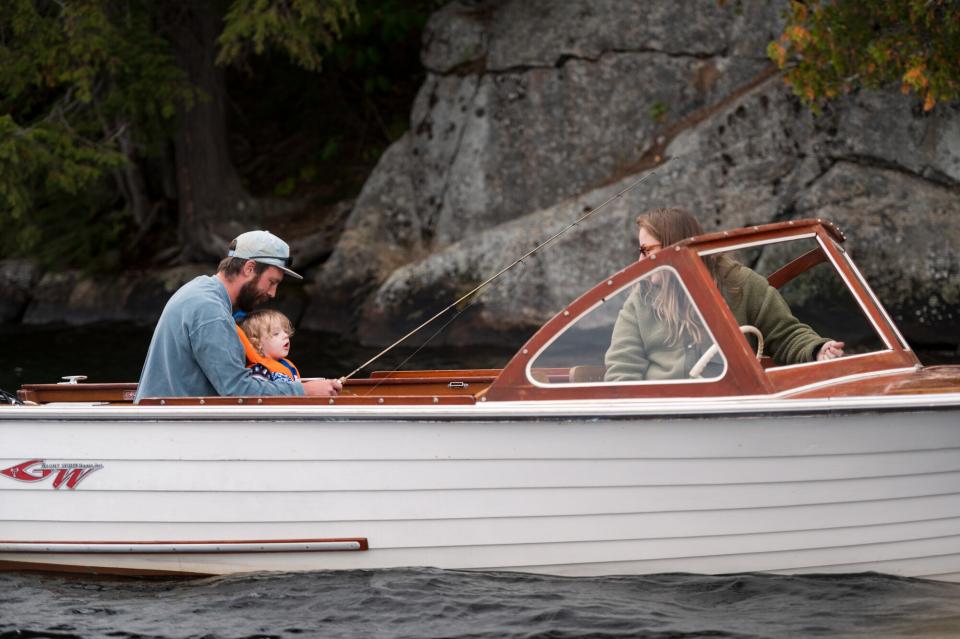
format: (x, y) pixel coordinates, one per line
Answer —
(639, 347)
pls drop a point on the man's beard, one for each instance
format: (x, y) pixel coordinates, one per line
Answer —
(249, 296)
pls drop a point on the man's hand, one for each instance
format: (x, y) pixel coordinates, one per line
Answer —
(830, 350)
(322, 387)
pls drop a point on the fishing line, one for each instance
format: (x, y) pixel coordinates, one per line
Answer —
(487, 281)
(425, 342)
(474, 300)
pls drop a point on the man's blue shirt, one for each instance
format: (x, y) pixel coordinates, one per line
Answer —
(195, 350)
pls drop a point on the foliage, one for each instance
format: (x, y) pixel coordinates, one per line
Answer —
(659, 111)
(325, 132)
(76, 78)
(91, 90)
(368, 45)
(299, 28)
(831, 47)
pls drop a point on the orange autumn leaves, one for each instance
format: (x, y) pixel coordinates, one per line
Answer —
(828, 48)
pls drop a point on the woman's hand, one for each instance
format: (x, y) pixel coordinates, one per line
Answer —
(830, 350)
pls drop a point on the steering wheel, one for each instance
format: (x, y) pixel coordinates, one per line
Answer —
(701, 364)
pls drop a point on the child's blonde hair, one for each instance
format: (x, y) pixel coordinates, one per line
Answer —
(258, 323)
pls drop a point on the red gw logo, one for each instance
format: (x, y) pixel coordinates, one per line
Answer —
(67, 474)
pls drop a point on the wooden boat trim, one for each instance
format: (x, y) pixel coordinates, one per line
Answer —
(629, 408)
(880, 321)
(776, 229)
(796, 267)
(791, 391)
(932, 380)
(730, 244)
(158, 547)
(340, 400)
(47, 566)
(847, 358)
(858, 276)
(110, 392)
(483, 374)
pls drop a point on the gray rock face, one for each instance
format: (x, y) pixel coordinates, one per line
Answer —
(504, 35)
(381, 233)
(526, 295)
(527, 104)
(17, 279)
(540, 136)
(761, 158)
(902, 232)
(533, 110)
(74, 298)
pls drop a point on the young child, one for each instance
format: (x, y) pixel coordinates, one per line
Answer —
(266, 339)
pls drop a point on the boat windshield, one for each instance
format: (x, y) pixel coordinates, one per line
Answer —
(813, 288)
(651, 330)
(648, 331)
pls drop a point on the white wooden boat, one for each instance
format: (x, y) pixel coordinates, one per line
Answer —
(841, 466)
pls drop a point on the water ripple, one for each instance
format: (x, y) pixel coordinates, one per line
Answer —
(431, 603)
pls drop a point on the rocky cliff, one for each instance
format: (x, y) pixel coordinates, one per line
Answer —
(533, 110)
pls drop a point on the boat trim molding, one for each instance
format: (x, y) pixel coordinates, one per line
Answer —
(518, 410)
(163, 547)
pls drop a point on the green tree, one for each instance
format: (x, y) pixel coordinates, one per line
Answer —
(94, 94)
(832, 47)
(83, 87)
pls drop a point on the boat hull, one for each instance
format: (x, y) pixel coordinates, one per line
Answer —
(578, 492)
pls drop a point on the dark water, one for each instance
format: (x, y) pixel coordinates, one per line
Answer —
(439, 603)
(115, 353)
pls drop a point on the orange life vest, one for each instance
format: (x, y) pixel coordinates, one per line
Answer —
(253, 357)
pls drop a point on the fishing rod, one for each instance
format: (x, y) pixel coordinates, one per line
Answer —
(520, 259)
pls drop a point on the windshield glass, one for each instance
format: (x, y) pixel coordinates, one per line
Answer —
(815, 304)
(648, 331)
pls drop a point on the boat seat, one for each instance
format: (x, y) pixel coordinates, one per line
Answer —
(587, 373)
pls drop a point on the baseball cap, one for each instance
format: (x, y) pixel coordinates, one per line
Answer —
(266, 248)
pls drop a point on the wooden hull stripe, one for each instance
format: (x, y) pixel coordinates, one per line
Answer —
(164, 547)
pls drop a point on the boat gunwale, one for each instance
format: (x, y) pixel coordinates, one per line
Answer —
(503, 411)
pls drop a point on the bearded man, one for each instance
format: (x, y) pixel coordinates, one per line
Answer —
(195, 350)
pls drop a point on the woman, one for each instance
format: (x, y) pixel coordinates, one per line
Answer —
(658, 333)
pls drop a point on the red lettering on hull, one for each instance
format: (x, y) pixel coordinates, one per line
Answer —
(68, 474)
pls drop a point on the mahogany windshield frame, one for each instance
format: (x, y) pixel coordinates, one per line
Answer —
(744, 374)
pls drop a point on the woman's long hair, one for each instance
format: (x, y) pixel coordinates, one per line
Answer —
(669, 301)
